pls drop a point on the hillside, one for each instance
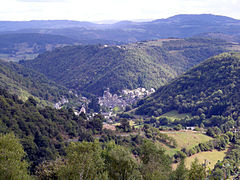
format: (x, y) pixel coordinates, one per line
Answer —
(25, 82)
(179, 26)
(210, 91)
(19, 46)
(93, 68)
(43, 131)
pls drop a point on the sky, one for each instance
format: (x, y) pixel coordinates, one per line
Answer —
(98, 10)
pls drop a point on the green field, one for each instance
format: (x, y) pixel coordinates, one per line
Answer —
(131, 123)
(189, 139)
(212, 158)
(173, 115)
(185, 139)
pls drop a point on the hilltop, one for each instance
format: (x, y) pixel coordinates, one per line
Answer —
(210, 90)
(93, 68)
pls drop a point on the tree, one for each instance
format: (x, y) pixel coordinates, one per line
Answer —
(181, 173)
(83, 161)
(155, 164)
(49, 169)
(96, 123)
(31, 101)
(120, 163)
(197, 171)
(179, 155)
(125, 125)
(12, 165)
(210, 132)
(94, 104)
(217, 173)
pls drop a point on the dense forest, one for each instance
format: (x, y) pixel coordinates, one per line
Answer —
(24, 82)
(210, 92)
(43, 131)
(93, 68)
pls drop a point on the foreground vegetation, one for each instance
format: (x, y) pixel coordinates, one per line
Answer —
(95, 161)
(43, 131)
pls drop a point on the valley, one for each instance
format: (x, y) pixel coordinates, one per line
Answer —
(130, 100)
(93, 68)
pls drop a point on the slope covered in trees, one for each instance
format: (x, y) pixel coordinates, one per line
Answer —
(93, 68)
(43, 131)
(209, 91)
(24, 82)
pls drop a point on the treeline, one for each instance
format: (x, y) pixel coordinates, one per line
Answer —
(155, 134)
(209, 92)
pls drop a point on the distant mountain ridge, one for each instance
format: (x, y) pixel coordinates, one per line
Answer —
(179, 26)
(25, 46)
(42, 24)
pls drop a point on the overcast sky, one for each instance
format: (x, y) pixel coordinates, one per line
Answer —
(97, 10)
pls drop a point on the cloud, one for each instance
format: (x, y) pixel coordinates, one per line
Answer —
(97, 10)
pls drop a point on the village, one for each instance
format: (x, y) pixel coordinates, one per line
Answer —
(110, 104)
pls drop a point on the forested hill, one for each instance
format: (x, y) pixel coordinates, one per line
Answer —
(43, 131)
(93, 68)
(210, 89)
(24, 82)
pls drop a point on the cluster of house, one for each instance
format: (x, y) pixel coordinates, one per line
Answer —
(111, 101)
(59, 104)
(137, 93)
(127, 97)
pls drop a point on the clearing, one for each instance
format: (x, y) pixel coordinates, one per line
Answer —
(173, 115)
(185, 139)
(212, 158)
